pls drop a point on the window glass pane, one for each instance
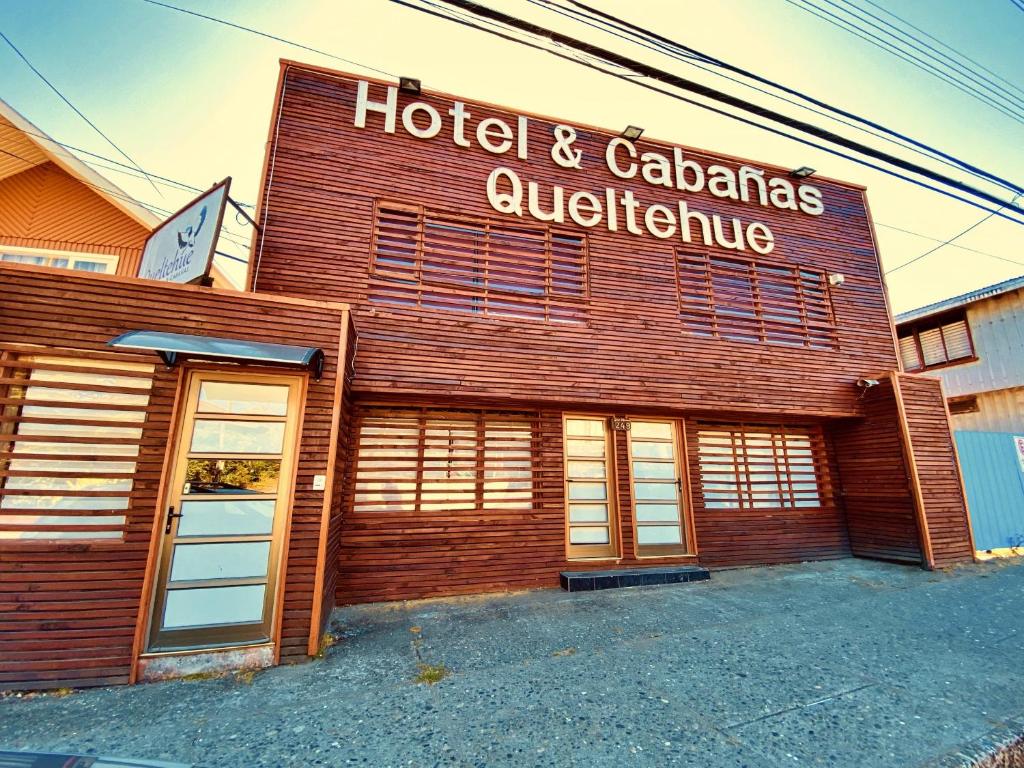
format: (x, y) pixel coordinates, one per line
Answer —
(908, 353)
(217, 436)
(958, 341)
(588, 491)
(210, 606)
(585, 427)
(585, 469)
(247, 399)
(652, 450)
(86, 266)
(588, 535)
(232, 476)
(651, 429)
(226, 518)
(658, 534)
(655, 490)
(584, 448)
(229, 560)
(654, 470)
(588, 513)
(654, 513)
(57, 502)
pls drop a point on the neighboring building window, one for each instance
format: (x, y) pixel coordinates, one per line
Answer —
(936, 342)
(84, 262)
(963, 404)
(435, 463)
(432, 260)
(759, 467)
(70, 431)
(744, 300)
(589, 498)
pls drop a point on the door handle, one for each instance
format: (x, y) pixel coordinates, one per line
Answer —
(171, 514)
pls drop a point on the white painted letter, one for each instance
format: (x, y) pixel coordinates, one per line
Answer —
(630, 203)
(484, 135)
(590, 215)
(609, 158)
(748, 174)
(408, 120)
(557, 212)
(656, 169)
(686, 218)
(501, 201)
(682, 166)
(760, 238)
(522, 138)
(364, 105)
(782, 194)
(658, 216)
(737, 234)
(810, 200)
(461, 116)
(722, 182)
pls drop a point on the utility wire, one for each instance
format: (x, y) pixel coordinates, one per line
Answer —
(945, 59)
(689, 54)
(267, 35)
(674, 80)
(76, 110)
(874, 40)
(950, 240)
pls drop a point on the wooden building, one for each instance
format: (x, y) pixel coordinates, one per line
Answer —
(547, 348)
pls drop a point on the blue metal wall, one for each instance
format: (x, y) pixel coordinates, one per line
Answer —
(995, 488)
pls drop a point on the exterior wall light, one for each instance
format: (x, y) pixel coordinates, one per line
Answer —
(867, 383)
(409, 85)
(632, 133)
(835, 279)
(802, 172)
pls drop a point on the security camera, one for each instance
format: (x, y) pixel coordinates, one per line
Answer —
(835, 279)
(867, 383)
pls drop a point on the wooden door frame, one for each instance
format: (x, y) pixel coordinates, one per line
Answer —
(188, 373)
(688, 539)
(612, 479)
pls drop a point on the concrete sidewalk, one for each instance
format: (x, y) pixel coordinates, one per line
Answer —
(849, 663)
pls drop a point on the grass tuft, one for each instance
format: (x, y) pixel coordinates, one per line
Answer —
(430, 674)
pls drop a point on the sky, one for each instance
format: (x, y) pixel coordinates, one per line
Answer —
(190, 99)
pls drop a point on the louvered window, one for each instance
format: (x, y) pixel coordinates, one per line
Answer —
(432, 260)
(934, 344)
(70, 432)
(760, 467)
(744, 300)
(435, 463)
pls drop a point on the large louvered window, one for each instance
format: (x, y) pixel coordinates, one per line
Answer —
(760, 467)
(937, 343)
(70, 432)
(432, 260)
(744, 300)
(436, 463)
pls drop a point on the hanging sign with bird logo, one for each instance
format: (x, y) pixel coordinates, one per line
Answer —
(181, 249)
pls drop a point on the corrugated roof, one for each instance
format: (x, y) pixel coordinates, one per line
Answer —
(962, 300)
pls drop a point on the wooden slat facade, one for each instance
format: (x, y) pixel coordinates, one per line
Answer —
(69, 610)
(347, 215)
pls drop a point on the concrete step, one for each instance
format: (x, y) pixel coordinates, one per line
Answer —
(586, 581)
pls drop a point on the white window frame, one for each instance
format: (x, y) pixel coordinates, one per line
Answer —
(109, 259)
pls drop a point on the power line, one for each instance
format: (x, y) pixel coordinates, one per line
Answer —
(662, 76)
(267, 35)
(940, 240)
(888, 47)
(977, 76)
(76, 110)
(950, 240)
(689, 54)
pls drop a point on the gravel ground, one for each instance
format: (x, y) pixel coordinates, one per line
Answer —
(848, 663)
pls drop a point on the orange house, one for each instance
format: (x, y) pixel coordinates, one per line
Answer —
(56, 211)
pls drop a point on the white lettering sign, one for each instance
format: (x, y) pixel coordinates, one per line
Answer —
(180, 249)
(511, 195)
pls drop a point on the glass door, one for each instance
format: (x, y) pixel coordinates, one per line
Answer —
(589, 491)
(225, 512)
(657, 488)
